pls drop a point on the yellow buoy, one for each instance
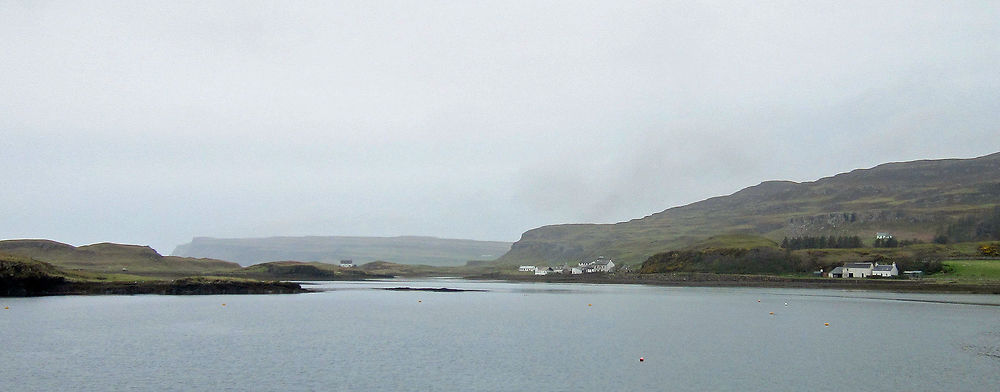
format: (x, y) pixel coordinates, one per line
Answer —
(590, 304)
(772, 313)
(223, 304)
(826, 324)
(6, 307)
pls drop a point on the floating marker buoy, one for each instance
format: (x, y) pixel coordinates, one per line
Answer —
(786, 303)
(590, 304)
(826, 324)
(772, 313)
(223, 304)
(6, 307)
(758, 300)
(420, 300)
(641, 359)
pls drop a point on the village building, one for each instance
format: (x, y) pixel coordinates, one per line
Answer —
(858, 270)
(547, 270)
(864, 270)
(882, 235)
(885, 270)
(602, 264)
(346, 263)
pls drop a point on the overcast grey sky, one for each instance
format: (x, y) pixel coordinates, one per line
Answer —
(153, 122)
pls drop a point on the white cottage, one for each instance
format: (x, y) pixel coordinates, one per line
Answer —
(885, 270)
(858, 270)
(526, 268)
(600, 265)
(864, 270)
(604, 265)
(545, 271)
(346, 263)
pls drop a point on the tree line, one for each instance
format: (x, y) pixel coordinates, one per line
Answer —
(982, 227)
(768, 260)
(822, 242)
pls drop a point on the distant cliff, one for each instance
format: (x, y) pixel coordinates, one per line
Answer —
(958, 198)
(403, 250)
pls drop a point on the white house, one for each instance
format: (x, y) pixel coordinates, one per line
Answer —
(882, 235)
(545, 271)
(604, 265)
(346, 263)
(600, 265)
(575, 271)
(858, 270)
(885, 270)
(526, 268)
(864, 270)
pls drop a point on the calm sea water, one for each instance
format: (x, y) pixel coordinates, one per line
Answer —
(515, 337)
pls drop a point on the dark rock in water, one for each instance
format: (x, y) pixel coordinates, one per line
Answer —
(439, 290)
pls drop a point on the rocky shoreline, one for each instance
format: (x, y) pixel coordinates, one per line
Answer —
(729, 280)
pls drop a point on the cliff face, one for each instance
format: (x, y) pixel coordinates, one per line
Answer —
(909, 199)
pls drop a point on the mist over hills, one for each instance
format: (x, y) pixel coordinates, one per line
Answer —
(332, 249)
(919, 200)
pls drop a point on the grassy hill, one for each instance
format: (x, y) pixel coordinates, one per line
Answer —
(956, 198)
(24, 276)
(403, 250)
(110, 258)
(297, 270)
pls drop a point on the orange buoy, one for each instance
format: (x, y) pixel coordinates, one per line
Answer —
(826, 324)
(223, 304)
(590, 304)
(772, 313)
(6, 307)
(641, 359)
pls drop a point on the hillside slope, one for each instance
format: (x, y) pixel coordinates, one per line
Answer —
(111, 258)
(404, 250)
(919, 199)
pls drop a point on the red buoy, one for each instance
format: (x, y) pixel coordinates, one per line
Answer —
(641, 359)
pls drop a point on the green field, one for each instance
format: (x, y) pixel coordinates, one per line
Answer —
(971, 270)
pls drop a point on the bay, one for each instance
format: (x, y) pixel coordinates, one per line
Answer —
(511, 337)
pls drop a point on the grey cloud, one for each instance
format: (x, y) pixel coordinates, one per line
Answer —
(151, 122)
